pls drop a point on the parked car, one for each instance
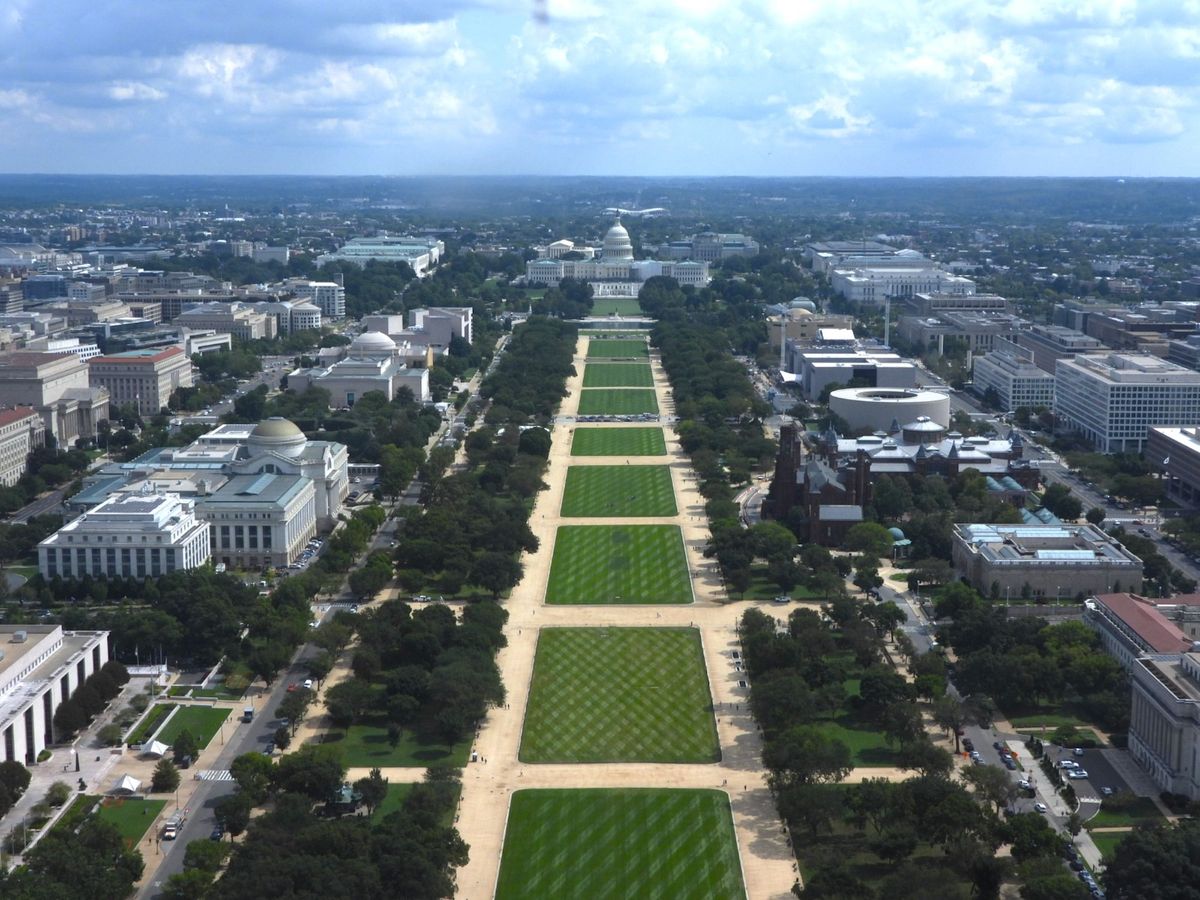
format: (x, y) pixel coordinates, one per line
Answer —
(1040, 807)
(308, 683)
(1106, 791)
(1077, 774)
(968, 744)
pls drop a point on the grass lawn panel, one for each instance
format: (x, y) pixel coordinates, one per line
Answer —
(648, 843)
(1142, 811)
(394, 799)
(610, 348)
(131, 816)
(202, 721)
(634, 441)
(619, 564)
(619, 695)
(367, 744)
(616, 306)
(618, 491)
(617, 402)
(617, 374)
(763, 588)
(1106, 842)
(867, 748)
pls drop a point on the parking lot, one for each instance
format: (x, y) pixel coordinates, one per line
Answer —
(1101, 774)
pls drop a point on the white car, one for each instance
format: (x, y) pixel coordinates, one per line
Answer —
(1077, 773)
(1040, 807)
(1068, 764)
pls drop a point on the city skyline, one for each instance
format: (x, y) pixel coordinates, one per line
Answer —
(579, 87)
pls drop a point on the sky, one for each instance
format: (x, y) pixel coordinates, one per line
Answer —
(601, 87)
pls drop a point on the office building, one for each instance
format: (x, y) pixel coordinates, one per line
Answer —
(146, 378)
(801, 325)
(441, 323)
(1035, 561)
(936, 304)
(977, 332)
(825, 256)
(710, 246)
(1050, 343)
(131, 535)
(1009, 370)
(327, 296)
(237, 319)
(12, 295)
(1175, 452)
(1112, 399)
(873, 285)
(260, 521)
(1145, 637)
(21, 432)
(41, 666)
(56, 385)
(817, 368)
(421, 254)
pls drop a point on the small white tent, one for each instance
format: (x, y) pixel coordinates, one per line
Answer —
(155, 748)
(126, 784)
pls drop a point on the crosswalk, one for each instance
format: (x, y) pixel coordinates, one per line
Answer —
(214, 775)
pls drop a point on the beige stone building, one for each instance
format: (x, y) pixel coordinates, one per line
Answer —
(57, 386)
(146, 378)
(21, 430)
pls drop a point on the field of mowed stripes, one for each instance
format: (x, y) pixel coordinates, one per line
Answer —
(618, 491)
(617, 374)
(635, 441)
(616, 844)
(617, 401)
(619, 695)
(615, 564)
(609, 348)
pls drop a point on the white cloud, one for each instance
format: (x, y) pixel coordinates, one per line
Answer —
(466, 75)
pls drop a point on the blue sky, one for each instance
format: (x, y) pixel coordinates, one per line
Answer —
(598, 87)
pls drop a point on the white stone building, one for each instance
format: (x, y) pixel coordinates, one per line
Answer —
(1114, 398)
(1010, 371)
(259, 521)
(373, 363)
(132, 535)
(41, 666)
(56, 385)
(420, 253)
(327, 296)
(21, 431)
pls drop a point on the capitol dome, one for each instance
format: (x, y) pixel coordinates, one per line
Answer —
(277, 435)
(617, 244)
(372, 342)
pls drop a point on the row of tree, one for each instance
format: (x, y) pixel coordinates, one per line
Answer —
(423, 670)
(89, 699)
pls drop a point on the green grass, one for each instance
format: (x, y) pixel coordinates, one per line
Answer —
(635, 441)
(593, 491)
(617, 402)
(367, 745)
(619, 695)
(610, 348)
(763, 588)
(867, 748)
(619, 564)
(142, 733)
(396, 795)
(132, 817)
(202, 721)
(618, 374)
(1106, 842)
(1049, 720)
(644, 843)
(1140, 810)
(616, 306)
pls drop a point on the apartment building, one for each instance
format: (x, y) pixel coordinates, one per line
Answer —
(237, 319)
